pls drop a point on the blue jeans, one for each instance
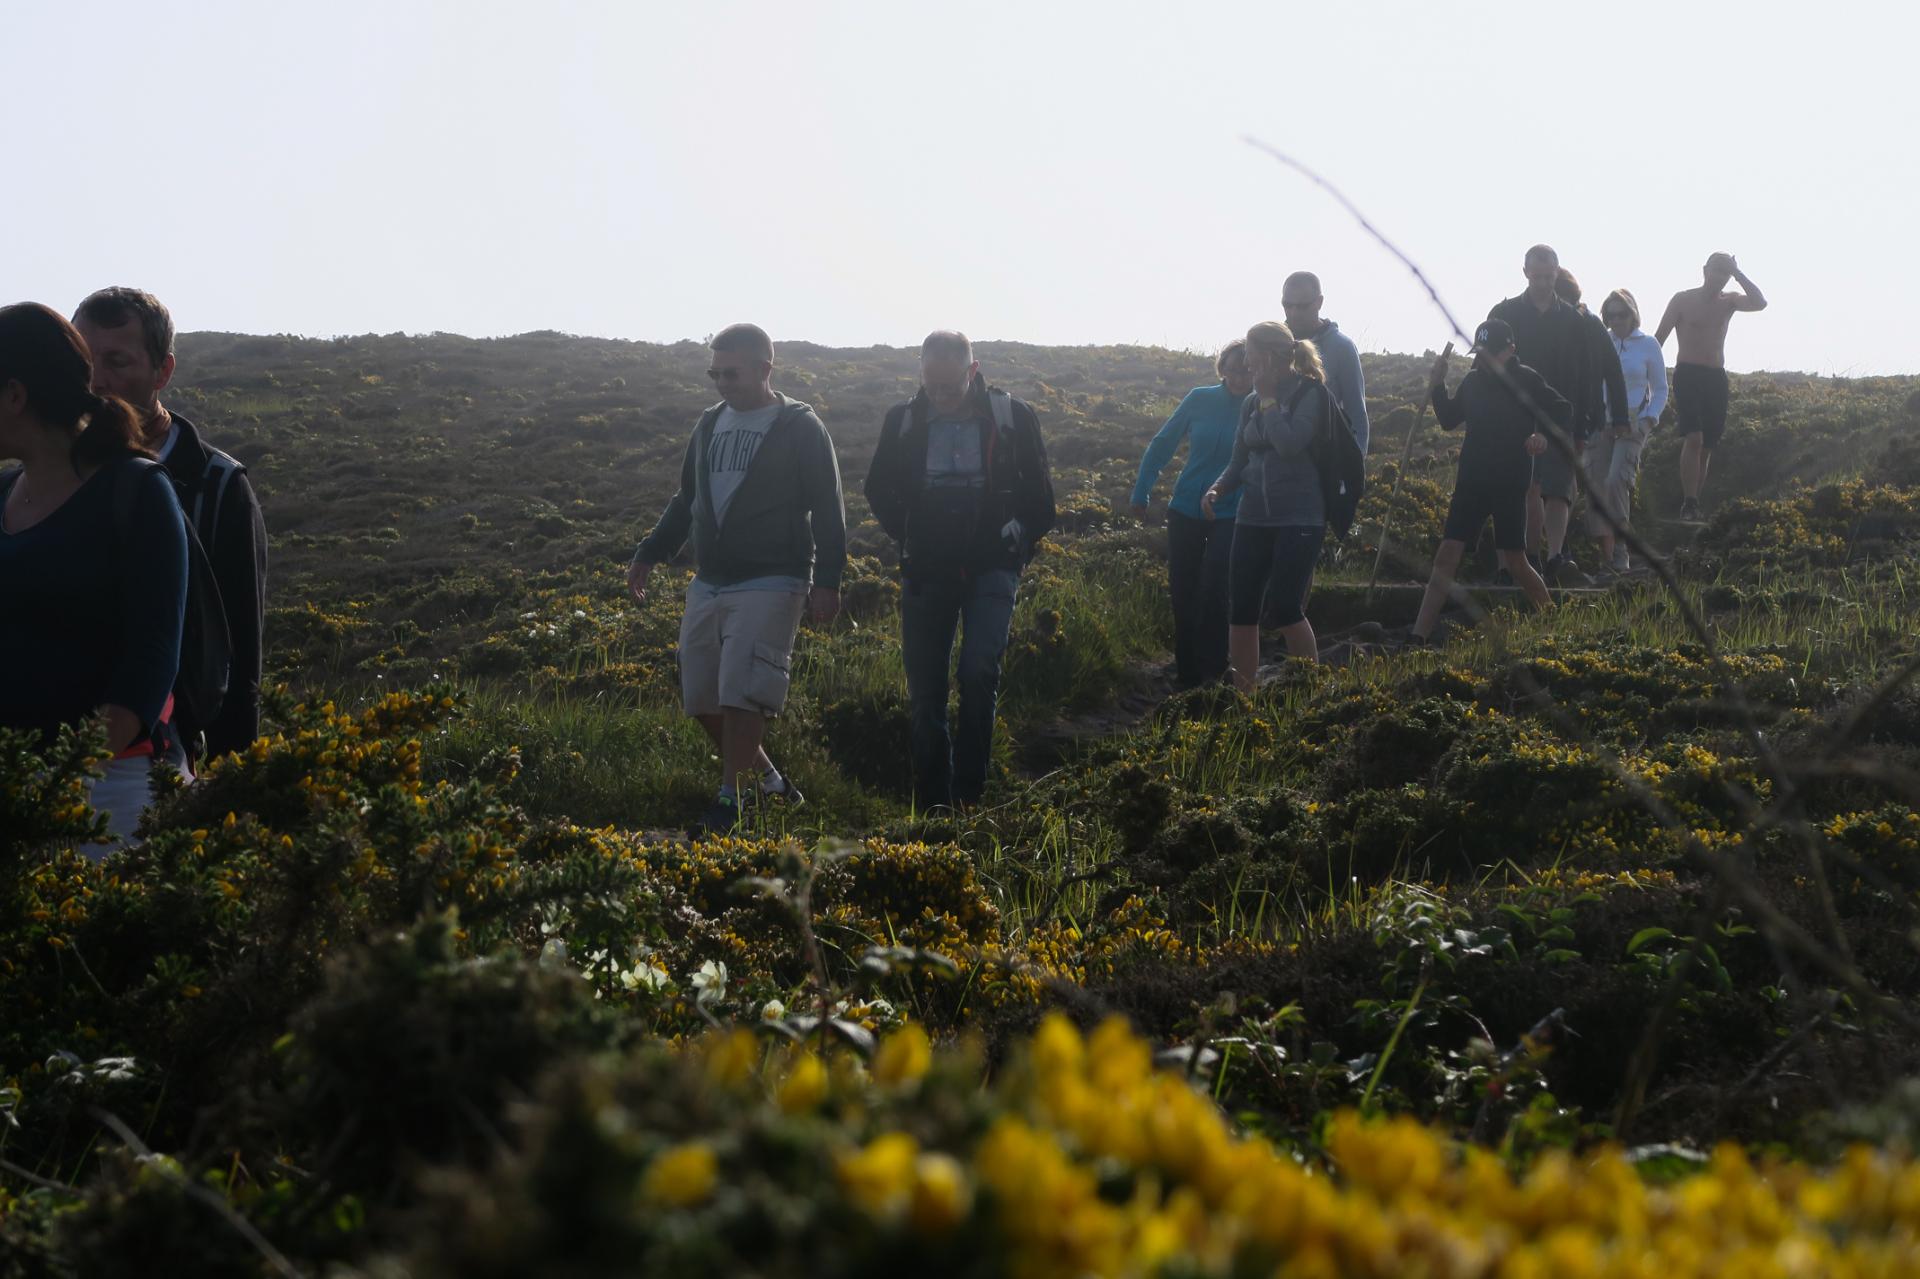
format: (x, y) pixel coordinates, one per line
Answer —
(953, 768)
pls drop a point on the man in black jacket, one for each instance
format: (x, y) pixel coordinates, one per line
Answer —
(131, 336)
(959, 480)
(760, 497)
(1553, 339)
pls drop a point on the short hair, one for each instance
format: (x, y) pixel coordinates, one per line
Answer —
(1544, 251)
(949, 342)
(749, 339)
(1305, 279)
(1625, 299)
(1236, 347)
(1566, 288)
(111, 308)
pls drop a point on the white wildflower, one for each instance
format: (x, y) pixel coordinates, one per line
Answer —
(710, 983)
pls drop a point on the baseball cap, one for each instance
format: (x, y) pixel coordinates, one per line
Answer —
(1493, 335)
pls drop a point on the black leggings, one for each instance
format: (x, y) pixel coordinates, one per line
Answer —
(1197, 558)
(1278, 558)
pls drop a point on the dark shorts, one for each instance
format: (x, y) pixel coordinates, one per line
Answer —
(1700, 395)
(1280, 559)
(1477, 501)
(1553, 475)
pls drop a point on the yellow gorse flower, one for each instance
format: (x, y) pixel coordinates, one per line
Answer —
(682, 1176)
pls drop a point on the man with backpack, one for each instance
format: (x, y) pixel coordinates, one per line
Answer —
(1301, 299)
(131, 336)
(960, 481)
(760, 497)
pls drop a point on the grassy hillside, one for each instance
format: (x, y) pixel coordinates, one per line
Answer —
(1457, 959)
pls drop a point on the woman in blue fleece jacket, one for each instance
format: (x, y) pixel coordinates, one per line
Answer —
(1198, 548)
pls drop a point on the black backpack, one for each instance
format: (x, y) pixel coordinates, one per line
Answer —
(206, 646)
(1337, 457)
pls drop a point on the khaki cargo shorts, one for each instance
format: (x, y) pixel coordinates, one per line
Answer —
(736, 649)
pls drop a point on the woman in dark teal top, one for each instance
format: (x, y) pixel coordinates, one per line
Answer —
(1198, 548)
(89, 620)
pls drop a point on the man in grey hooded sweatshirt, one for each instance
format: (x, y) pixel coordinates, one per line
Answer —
(760, 498)
(1300, 299)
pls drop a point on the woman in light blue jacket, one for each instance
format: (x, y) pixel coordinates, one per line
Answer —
(1613, 458)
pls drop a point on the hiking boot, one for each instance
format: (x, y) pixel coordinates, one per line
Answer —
(723, 817)
(1561, 569)
(1621, 562)
(1690, 510)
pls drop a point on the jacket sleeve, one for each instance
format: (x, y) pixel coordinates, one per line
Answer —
(1229, 479)
(153, 600)
(886, 496)
(1549, 401)
(1161, 448)
(820, 485)
(1613, 376)
(239, 558)
(670, 534)
(1033, 495)
(1450, 410)
(1350, 390)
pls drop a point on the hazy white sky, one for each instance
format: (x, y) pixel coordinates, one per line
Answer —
(857, 173)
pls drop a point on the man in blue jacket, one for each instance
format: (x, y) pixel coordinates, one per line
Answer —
(1300, 298)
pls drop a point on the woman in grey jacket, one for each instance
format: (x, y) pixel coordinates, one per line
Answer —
(1282, 517)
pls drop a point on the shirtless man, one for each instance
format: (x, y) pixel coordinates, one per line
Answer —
(1700, 374)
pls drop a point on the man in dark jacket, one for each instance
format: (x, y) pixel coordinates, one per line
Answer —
(959, 480)
(131, 336)
(760, 497)
(1554, 340)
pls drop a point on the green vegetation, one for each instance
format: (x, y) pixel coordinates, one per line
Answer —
(426, 984)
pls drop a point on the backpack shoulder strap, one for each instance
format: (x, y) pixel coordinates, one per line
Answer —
(220, 469)
(1002, 404)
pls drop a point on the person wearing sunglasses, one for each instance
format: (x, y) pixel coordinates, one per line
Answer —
(760, 497)
(1614, 459)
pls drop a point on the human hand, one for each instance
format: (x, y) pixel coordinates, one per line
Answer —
(1139, 510)
(1207, 499)
(1536, 444)
(637, 580)
(823, 604)
(1438, 376)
